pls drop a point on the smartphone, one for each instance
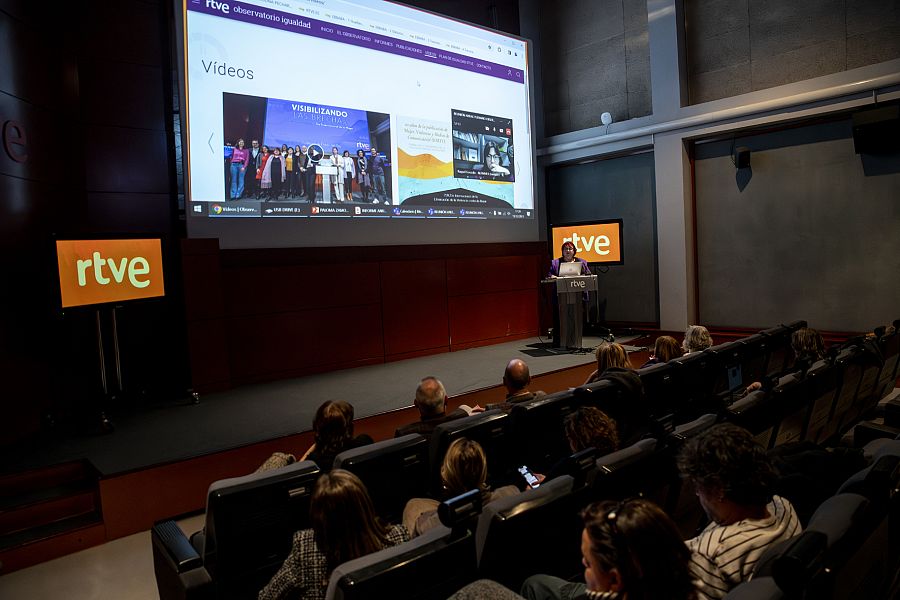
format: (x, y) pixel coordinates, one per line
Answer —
(529, 476)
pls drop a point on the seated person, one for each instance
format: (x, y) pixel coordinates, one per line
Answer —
(464, 469)
(516, 379)
(734, 479)
(808, 347)
(630, 414)
(431, 401)
(333, 427)
(586, 427)
(344, 527)
(590, 427)
(630, 549)
(665, 348)
(696, 339)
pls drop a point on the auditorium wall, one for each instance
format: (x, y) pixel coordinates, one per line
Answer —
(86, 83)
(809, 231)
(615, 188)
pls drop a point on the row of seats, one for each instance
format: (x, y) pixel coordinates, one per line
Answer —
(850, 547)
(250, 520)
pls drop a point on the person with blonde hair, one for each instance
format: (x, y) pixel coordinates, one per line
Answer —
(344, 527)
(463, 469)
(696, 338)
(628, 409)
(610, 355)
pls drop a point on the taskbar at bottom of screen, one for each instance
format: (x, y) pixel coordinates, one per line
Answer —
(261, 209)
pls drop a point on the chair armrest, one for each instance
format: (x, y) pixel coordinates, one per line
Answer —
(179, 570)
(168, 537)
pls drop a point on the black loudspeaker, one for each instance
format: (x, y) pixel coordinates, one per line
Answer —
(876, 131)
(741, 157)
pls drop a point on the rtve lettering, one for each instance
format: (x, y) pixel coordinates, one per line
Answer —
(598, 242)
(134, 267)
(218, 6)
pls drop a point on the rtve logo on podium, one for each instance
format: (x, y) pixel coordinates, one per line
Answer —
(102, 271)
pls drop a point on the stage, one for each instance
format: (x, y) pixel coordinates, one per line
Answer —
(257, 413)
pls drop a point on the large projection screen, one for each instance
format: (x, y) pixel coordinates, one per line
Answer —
(353, 123)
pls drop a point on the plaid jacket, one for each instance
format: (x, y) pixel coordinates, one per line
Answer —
(304, 573)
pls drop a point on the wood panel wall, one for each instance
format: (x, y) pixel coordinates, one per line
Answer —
(260, 315)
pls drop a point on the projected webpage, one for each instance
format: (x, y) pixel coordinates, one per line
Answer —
(306, 108)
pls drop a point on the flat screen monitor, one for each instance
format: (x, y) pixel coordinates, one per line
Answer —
(107, 271)
(353, 122)
(597, 242)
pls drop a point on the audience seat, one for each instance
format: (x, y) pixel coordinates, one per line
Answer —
(393, 471)
(792, 564)
(755, 357)
(429, 567)
(682, 504)
(781, 356)
(758, 414)
(760, 588)
(696, 374)
(250, 524)
(662, 391)
(537, 431)
(855, 559)
(642, 469)
(490, 429)
(792, 398)
(537, 531)
(890, 351)
(728, 375)
(630, 413)
(824, 381)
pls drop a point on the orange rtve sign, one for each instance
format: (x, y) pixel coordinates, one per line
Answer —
(596, 243)
(99, 271)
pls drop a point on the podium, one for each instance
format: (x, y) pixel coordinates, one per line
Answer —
(327, 172)
(570, 298)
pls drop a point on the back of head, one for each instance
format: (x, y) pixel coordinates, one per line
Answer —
(725, 458)
(343, 518)
(590, 427)
(431, 397)
(666, 348)
(808, 343)
(333, 426)
(696, 338)
(639, 540)
(464, 467)
(611, 354)
(516, 377)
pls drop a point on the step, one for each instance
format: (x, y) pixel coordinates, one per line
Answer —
(49, 530)
(47, 506)
(24, 482)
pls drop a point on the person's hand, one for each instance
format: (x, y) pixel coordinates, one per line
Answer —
(754, 386)
(477, 409)
(540, 478)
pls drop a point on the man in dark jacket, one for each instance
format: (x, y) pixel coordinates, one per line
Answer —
(431, 400)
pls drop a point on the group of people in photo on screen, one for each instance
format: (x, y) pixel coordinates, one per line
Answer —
(262, 172)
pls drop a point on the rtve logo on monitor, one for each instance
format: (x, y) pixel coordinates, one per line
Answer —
(101, 271)
(594, 242)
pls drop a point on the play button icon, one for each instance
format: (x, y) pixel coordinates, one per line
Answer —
(315, 152)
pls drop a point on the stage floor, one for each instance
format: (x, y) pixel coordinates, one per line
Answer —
(261, 412)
